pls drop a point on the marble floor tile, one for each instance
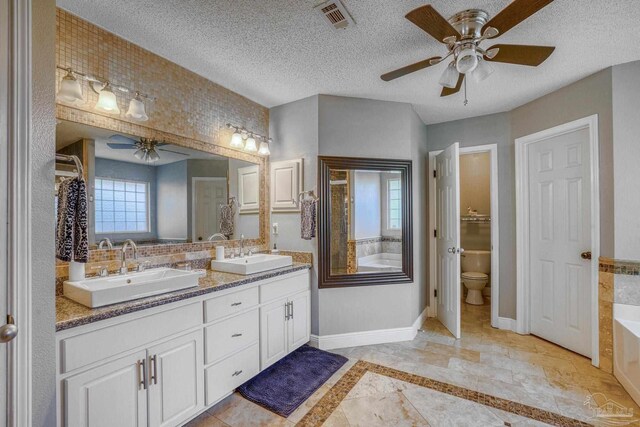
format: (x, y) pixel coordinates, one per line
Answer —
(236, 411)
(206, 420)
(337, 419)
(385, 410)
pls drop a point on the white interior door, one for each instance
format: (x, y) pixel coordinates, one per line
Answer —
(208, 195)
(559, 210)
(448, 238)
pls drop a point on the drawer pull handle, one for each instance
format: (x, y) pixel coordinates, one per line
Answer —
(236, 335)
(153, 361)
(236, 373)
(235, 304)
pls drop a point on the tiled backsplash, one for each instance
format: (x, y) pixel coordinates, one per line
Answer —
(619, 282)
(190, 111)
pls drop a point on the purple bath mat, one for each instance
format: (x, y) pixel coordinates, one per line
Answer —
(286, 384)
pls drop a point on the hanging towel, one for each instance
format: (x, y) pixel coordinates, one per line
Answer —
(72, 243)
(227, 214)
(308, 219)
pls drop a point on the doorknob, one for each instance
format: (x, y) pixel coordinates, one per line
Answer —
(585, 255)
(451, 250)
(9, 331)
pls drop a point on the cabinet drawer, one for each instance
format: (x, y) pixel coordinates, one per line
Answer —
(219, 307)
(229, 336)
(222, 378)
(93, 346)
(284, 286)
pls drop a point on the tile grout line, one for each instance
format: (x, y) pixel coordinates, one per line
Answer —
(321, 411)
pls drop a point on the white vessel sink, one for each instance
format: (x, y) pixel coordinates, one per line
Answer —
(252, 264)
(99, 291)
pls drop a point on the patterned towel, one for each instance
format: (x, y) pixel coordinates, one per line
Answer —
(227, 214)
(72, 243)
(308, 219)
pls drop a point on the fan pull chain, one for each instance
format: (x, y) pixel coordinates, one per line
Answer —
(466, 101)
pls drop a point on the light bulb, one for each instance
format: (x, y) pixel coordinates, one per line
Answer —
(250, 145)
(482, 71)
(107, 101)
(236, 140)
(136, 109)
(467, 60)
(264, 148)
(449, 76)
(70, 90)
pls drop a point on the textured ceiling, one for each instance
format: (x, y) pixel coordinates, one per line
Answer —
(275, 52)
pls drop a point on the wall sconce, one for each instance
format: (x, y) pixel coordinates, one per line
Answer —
(71, 92)
(244, 139)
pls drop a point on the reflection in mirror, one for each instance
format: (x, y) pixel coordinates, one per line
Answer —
(154, 192)
(366, 226)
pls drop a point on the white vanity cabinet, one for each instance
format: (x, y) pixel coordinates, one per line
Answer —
(164, 365)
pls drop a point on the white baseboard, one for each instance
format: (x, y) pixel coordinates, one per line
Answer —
(507, 324)
(380, 336)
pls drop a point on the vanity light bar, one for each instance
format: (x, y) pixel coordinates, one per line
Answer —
(245, 139)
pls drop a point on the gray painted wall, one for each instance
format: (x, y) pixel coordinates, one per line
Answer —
(626, 153)
(43, 148)
(491, 129)
(339, 126)
(171, 188)
(107, 168)
(591, 95)
(294, 128)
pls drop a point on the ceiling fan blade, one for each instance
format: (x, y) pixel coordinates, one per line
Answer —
(521, 54)
(120, 146)
(170, 151)
(409, 69)
(515, 13)
(429, 20)
(446, 91)
(123, 139)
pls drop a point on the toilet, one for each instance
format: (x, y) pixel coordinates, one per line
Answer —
(476, 267)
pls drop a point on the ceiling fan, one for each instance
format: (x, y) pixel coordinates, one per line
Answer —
(146, 149)
(462, 35)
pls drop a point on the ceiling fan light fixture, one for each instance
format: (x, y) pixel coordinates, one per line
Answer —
(449, 77)
(467, 60)
(153, 156)
(482, 71)
(139, 154)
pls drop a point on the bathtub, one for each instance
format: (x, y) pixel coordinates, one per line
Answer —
(626, 348)
(380, 262)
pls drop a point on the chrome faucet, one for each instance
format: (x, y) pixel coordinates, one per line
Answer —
(125, 245)
(105, 241)
(242, 246)
(217, 235)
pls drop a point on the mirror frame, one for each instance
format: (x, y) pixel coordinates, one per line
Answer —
(328, 280)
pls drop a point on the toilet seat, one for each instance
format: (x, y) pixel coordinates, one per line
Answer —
(474, 276)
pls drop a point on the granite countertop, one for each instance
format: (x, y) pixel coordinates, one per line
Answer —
(70, 314)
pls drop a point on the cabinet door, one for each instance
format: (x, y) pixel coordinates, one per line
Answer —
(113, 394)
(273, 333)
(176, 380)
(299, 324)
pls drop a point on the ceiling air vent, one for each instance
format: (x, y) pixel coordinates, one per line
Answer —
(336, 14)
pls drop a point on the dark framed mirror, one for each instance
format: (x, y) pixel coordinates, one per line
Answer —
(365, 224)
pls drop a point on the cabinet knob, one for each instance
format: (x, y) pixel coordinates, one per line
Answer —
(585, 255)
(9, 331)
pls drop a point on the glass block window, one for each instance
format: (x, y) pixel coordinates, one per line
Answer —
(394, 213)
(121, 206)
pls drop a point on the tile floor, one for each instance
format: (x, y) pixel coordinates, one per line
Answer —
(523, 369)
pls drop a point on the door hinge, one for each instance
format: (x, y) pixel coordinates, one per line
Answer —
(434, 173)
(435, 293)
(435, 232)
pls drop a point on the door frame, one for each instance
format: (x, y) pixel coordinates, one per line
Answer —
(492, 149)
(193, 198)
(16, 19)
(523, 287)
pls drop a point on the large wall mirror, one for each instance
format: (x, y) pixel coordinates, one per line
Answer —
(158, 193)
(365, 221)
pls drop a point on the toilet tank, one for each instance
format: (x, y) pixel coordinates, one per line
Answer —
(476, 260)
